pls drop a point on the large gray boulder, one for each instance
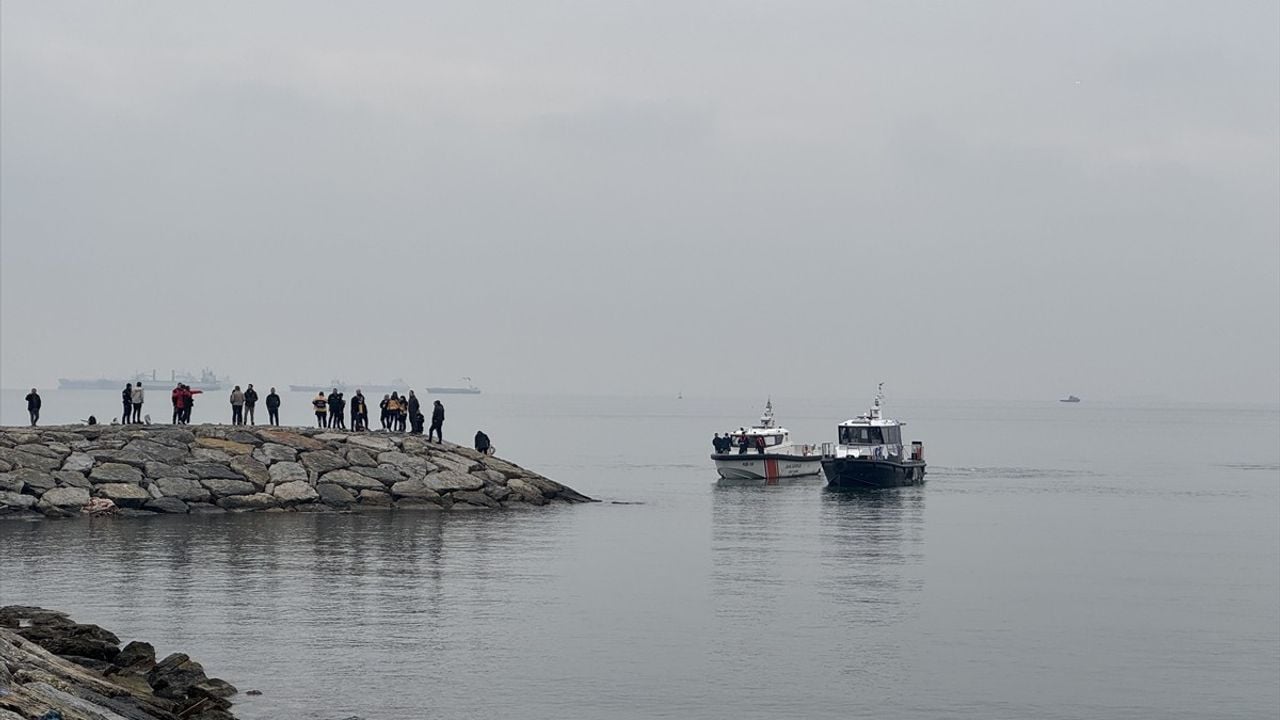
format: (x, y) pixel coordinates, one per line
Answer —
(64, 497)
(123, 494)
(44, 450)
(385, 474)
(336, 495)
(115, 473)
(253, 471)
(524, 491)
(213, 470)
(371, 442)
(78, 462)
(351, 480)
(415, 488)
(284, 472)
(35, 480)
(256, 501)
(68, 478)
(184, 489)
(19, 458)
(16, 501)
(357, 456)
(322, 461)
(374, 497)
(297, 491)
(472, 497)
(174, 676)
(170, 505)
(275, 452)
(291, 439)
(150, 451)
(411, 466)
(448, 480)
(222, 487)
(159, 470)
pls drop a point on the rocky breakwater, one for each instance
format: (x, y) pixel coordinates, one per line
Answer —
(52, 667)
(144, 470)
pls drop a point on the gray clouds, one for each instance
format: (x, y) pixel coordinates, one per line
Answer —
(1015, 199)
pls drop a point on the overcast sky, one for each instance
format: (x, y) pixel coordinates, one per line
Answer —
(1004, 199)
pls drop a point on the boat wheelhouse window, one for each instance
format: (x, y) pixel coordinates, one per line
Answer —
(861, 436)
(893, 435)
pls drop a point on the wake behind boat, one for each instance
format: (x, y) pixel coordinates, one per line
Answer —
(765, 452)
(869, 453)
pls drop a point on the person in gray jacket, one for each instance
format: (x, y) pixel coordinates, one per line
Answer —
(137, 402)
(237, 406)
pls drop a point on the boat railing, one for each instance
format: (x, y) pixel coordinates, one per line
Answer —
(828, 449)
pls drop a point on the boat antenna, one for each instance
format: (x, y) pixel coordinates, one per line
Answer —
(875, 406)
(766, 420)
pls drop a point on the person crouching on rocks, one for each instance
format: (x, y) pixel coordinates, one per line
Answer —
(482, 443)
(321, 406)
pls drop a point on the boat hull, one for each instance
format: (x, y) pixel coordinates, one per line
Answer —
(869, 474)
(769, 467)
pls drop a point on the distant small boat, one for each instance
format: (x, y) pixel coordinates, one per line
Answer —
(1070, 398)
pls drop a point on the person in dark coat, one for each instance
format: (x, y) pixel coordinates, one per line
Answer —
(415, 413)
(386, 414)
(482, 443)
(742, 442)
(437, 422)
(33, 406)
(126, 401)
(760, 444)
(359, 411)
(250, 400)
(273, 407)
(334, 408)
(717, 444)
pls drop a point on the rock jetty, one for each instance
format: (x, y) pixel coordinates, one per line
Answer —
(139, 470)
(53, 667)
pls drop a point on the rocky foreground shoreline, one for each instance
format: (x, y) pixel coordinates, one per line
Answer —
(138, 470)
(52, 667)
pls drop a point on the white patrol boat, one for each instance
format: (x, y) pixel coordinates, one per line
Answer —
(764, 452)
(869, 453)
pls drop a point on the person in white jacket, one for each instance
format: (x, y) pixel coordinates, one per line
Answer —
(137, 402)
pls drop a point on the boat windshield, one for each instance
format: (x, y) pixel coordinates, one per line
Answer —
(871, 435)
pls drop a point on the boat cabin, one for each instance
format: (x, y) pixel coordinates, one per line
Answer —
(871, 436)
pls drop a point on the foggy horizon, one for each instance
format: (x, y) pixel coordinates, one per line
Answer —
(1014, 201)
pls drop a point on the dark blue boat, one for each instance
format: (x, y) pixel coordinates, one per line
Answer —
(869, 453)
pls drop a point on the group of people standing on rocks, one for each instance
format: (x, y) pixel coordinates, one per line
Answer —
(398, 412)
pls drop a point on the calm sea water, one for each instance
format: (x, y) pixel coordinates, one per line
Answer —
(1088, 561)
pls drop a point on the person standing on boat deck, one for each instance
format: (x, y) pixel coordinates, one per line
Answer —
(760, 444)
(136, 397)
(415, 414)
(715, 443)
(33, 406)
(437, 423)
(250, 400)
(320, 405)
(237, 406)
(126, 401)
(273, 407)
(742, 442)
